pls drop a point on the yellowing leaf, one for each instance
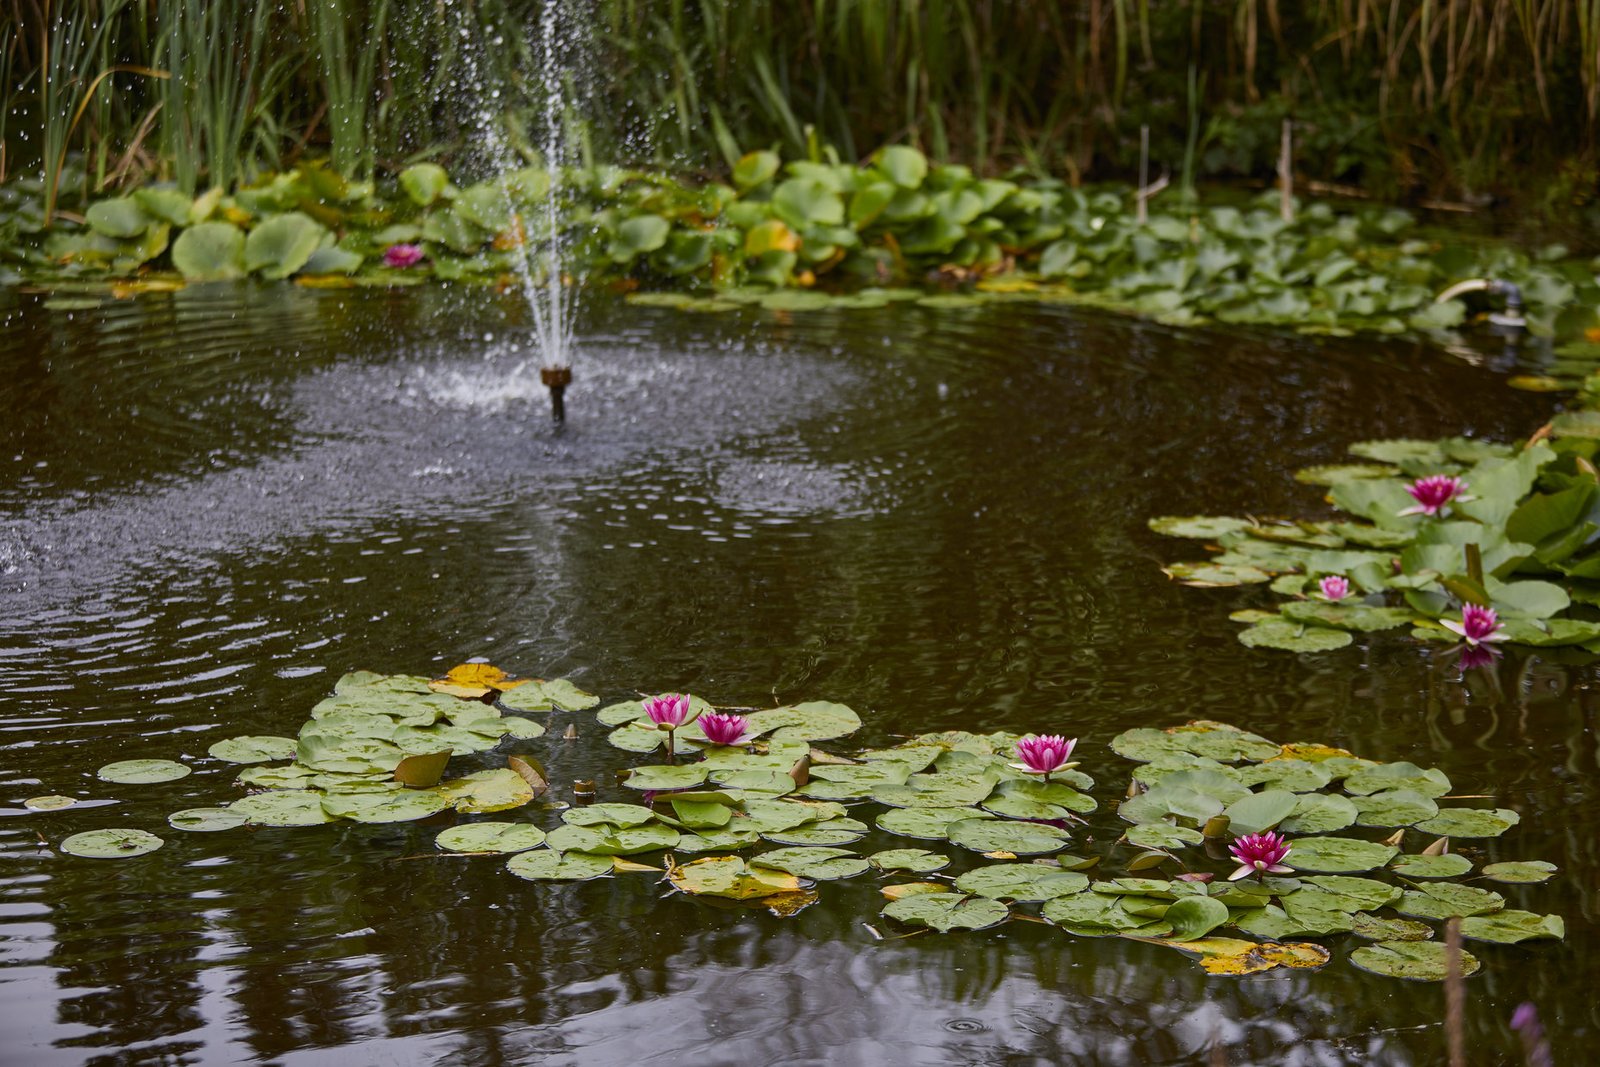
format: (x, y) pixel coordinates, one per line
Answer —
(474, 680)
(911, 889)
(731, 877)
(784, 905)
(622, 866)
(1227, 955)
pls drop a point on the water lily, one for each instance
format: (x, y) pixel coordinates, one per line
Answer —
(668, 712)
(1477, 625)
(724, 729)
(1044, 755)
(1434, 492)
(1260, 855)
(402, 256)
(1334, 587)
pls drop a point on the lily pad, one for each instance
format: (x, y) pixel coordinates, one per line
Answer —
(1382, 777)
(1521, 871)
(210, 252)
(916, 860)
(1511, 927)
(1360, 618)
(821, 864)
(621, 815)
(1445, 900)
(114, 844)
(1260, 811)
(499, 789)
(206, 820)
(490, 837)
(545, 865)
(1163, 835)
(1394, 807)
(1022, 881)
(928, 824)
(1354, 894)
(1320, 813)
(612, 841)
(253, 749)
(1231, 956)
(1337, 855)
(829, 833)
(1001, 835)
(731, 877)
(1209, 740)
(1199, 527)
(1293, 637)
(815, 720)
(557, 694)
(398, 806)
(1470, 822)
(947, 911)
(49, 803)
(1449, 865)
(665, 777)
(1375, 929)
(1420, 961)
(1208, 575)
(142, 771)
(282, 808)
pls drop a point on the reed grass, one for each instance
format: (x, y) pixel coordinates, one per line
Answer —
(1401, 96)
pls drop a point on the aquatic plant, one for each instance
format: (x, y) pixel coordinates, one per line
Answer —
(402, 256)
(1044, 755)
(1260, 855)
(1334, 587)
(668, 713)
(1518, 562)
(724, 729)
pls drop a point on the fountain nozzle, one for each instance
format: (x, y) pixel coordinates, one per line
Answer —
(556, 379)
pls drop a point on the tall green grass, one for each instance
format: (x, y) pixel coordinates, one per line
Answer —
(1438, 96)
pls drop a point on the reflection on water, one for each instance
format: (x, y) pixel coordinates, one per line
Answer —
(220, 500)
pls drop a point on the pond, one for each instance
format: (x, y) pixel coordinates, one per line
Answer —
(220, 500)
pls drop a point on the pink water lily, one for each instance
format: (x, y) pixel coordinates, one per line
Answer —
(723, 729)
(1260, 855)
(1477, 625)
(1433, 493)
(668, 712)
(1334, 587)
(1044, 755)
(402, 256)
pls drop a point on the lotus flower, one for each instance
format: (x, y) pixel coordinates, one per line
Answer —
(668, 712)
(1260, 855)
(1044, 755)
(1478, 624)
(1433, 493)
(721, 729)
(1334, 587)
(402, 256)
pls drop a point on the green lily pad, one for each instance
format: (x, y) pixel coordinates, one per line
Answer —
(947, 911)
(716, 840)
(1521, 871)
(1383, 777)
(928, 824)
(1394, 807)
(1445, 900)
(1021, 881)
(611, 841)
(557, 694)
(1208, 740)
(1194, 917)
(1470, 822)
(1355, 894)
(830, 833)
(1256, 812)
(490, 837)
(120, 217)
(398, 806)
(821, 864)
(1357, 617)
(1320, 813)
(936, 791)
(815, 720)
(1207, 575)
(282, 244)
(621, 815)
(1450, 865)
(1293, 637)
(1296, 776)
(49, 803)
(1001, 835)
(282, 808)
(1099, 915)
(916, 860)
(545, 865)
(1337, 855)
(1199, 527)
(499, 789)
(253, 749)
(113, 844)
(1375, 929)
(142, 771)
(1420, 961)
(1162, 835)
(1511, 927)
(731, 877)
(206, 820)
(666, 777)
(1333, 474)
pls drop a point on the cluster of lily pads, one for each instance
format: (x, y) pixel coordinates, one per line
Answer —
(1458, 540)
(806, 234)
(748, 807)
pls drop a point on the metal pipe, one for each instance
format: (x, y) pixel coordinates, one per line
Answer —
(556, 379)
(1509, 319)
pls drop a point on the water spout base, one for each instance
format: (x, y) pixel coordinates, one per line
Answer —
(556, 379)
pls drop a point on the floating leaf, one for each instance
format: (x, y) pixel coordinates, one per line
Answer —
(1521, 871)
(422, 771)
(555, 694)
(490, 837)
(1293, 637)
(821, 864)
(1260, 811)
(282, 808)
(1216, 575)
(500, 789)
(253, 749)
(611, 841)
(1162, 835)
(48, 803)
(1209, 740)
(206, 820)
(1511, 927)
(1000, 835)
(142, 771)
(832, 832)
(665, 777)
(947, 911)
(731, 877)
(1421, 961)
(1022, 881)
(816, 720)
(1445, 900)
(1449, 865)
(1352, 894)
(1375, 929)
(1194, 917)
(1320, 813)
(424, 182)
(916, 860)
(1225, 955)
(928, 824)
(1430, 782)
(113, 844)
(1199, 527)
(1470, 822)
(622, 815)
(1394, 807)
(1339, 854)
(1360, 618)
(282, 244)
(398, 806)
(545, 865)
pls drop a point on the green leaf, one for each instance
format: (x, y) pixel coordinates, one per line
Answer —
(113, 844)
(829, 833)
(1021, 881)
(168, 205)
(498, 789)
(1449, 865)
(1200, 527)
(282, 808)
(1194, 917)
(253, 749)
(1394, 807)
(1000, 835)
(814, 720)
(638, 235)
(206, 820)
(1430, 782)
(1162, 835)
(1419, 961)
(928, 824)
(623, 815)
(1444, 900)
(1360, 618)
(1353, 893)
(1470, 822)
(821, 864)
(121, 218)
(904, 166)
(731, 877)
(142, 771)
(424, 183)
(282, 244)
(1375, 929)
(611, 841)
(754, 169)
(1520, 872)
(947, 911)
(1339, 854)
(666, 777)
(545, 865)
(1293, 637)
(490, 837)
(916, 860)
(210, 252)
(406, 805)
(803, 202)
(1511, 927)
(1260, 811)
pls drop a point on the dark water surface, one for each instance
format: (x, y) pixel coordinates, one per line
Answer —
(215, 502)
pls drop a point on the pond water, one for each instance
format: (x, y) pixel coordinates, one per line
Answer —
(216, 502)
